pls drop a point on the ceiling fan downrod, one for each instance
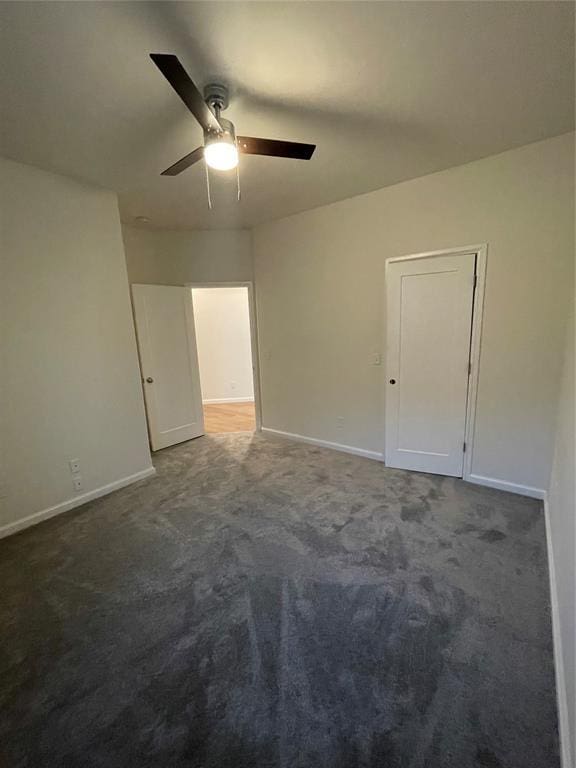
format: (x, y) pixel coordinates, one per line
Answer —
(217, 98)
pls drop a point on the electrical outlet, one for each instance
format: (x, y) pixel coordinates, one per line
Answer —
(78, 483)
(74, 466)
(340, 422)
(233, 385)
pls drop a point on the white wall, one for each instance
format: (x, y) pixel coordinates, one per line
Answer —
(174, 258)
(70, 380)
(562, 520)
(222, 320)
(320, 286)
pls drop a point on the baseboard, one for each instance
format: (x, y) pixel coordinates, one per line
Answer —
(325, 444)
(563, 715)
(228, 400)
(504, 485)
(45, 514)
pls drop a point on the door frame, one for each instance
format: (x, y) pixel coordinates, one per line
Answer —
(481, 253)
(253, 336)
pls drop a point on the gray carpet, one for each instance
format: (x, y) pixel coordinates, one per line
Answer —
(266, 604)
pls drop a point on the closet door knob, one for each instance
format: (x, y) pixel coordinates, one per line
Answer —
(392, 381)
(150, 380)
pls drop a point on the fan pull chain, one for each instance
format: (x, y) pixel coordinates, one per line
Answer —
(238, 176)
(208, 185)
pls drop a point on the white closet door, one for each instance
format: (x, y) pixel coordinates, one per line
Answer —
(169, 364)
(429, 317)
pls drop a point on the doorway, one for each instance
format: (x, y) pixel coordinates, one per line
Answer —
(433, 321)
(226, 360)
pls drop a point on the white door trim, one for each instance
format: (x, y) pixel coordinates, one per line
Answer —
(481, 252)
(253, 336)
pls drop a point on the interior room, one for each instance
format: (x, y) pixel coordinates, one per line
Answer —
(224, 348)
(287, 406)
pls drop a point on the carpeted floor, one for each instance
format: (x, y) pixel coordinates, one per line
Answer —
(267, 604)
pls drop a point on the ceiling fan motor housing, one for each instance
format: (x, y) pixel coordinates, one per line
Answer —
(216, 96)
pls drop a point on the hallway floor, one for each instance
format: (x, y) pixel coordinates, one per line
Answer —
(229, 417)
(261, 603)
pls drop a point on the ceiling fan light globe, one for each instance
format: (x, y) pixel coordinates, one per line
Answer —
(221, 155)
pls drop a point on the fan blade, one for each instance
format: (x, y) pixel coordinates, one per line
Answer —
(179, 79)
(185, 162)
(293, 149)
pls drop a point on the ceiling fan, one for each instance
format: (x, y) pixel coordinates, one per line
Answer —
(221, 145)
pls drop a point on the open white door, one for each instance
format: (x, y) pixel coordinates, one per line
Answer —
(169, 365)
(429, 317)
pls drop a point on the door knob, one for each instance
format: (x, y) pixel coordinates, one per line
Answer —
(150, 380)
(392, 381)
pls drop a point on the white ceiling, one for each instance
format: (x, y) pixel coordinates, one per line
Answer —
(388, 90)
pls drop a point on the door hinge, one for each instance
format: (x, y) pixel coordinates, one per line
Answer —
(464, 447)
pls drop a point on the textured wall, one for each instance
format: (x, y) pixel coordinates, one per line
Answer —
(176, 258)
(70, 378)
(222, 320)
